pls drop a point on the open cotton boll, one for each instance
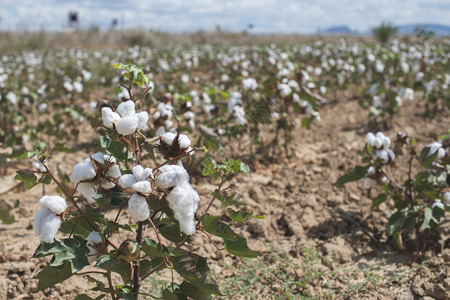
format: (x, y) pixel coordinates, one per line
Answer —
(94, 237)
(187, 226)
(83, 171)
(38, 165)
(127, 180)
(369, 137)
(383, 155)
(143, 187)
(107, 185)
(386, 142)
(436, 147)
(446, 197)
(55, 203)
(49, 228)
(88, 191)
(140, 173)
(126, 109)
(109, 117)
(168, 137)
(39, 217)
(138, 208)
(391, 154)
(184, 141)
(127, 125)
(114, 171)
(142, 120)
(438, 203)
(171, 175)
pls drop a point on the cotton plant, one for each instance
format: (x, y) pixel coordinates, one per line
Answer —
(420, 202)
(145, 180)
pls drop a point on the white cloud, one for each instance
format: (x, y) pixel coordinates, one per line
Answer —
(266, 15)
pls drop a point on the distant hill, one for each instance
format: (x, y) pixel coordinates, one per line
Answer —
(343, 29)
(439, 30)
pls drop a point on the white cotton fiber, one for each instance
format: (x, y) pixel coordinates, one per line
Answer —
(126, 109)
(98, 156)
(82, 171)
(138, 208)
(386, 142)
(142, 119)
(109, 117)
(94, 237)
(436, 147)
(127, 180)
(185, 142)
(49, 228)
(383, 155)
(171, 175)
(39, 217)
(143, 187)
(127, 125)
(55, 203)
(107, 185)
(114, 171)
(168, 137)
(369, 183)
(140, 173)
(88, 191)
(187, 226)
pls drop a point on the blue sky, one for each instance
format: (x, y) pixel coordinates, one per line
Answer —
(267, 16)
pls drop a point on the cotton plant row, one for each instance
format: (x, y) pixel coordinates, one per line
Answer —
(143, 180)
(420, 198)
(56, 84)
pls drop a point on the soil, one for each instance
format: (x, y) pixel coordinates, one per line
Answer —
(302, 209)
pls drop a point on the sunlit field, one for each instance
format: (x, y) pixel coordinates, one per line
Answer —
(140, 164)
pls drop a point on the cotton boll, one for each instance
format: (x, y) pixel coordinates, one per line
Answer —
(187, 226)
(142, 120)
(184, 141)
(160, 130)
(109, 117)
(171, 175)
(143, 187)
(376, 142)
(168, 137)
(38, 165)
(446, 197)
(88, 191)
(438, 203)
(39, 217)
(107, 185)
(391, 154)
(138, 208)
(386, 142)
(94, 237)
(369, 137)
(127, 125)
(55, 203)
(100, 157)
(436, 147)
(383, 155)
(140, 173)
(83, 171)
(78, 86)
(127, 180)
(114, 171)
(49, 228)
(126, 109)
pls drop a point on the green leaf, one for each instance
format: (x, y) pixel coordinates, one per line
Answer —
(53, 275)
(213, 226)
(78, 226)
(190, 290)
(169, 295)
(28, 178)
(244, 168)
(395, 222)
(355, 174)
(209, 164)
(60, 147)
(427, 218)
(45, 179)
(425, 160)
(239, 216)
(239, 248)
(379, 199)
(152, 249)
(438, 214)
(195, 269)
(172, 233)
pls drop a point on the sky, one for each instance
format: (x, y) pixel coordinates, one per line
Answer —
(266, 16)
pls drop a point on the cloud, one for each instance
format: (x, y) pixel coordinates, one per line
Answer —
(286, 16)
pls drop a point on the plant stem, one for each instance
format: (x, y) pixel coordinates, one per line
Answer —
(135, 271)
